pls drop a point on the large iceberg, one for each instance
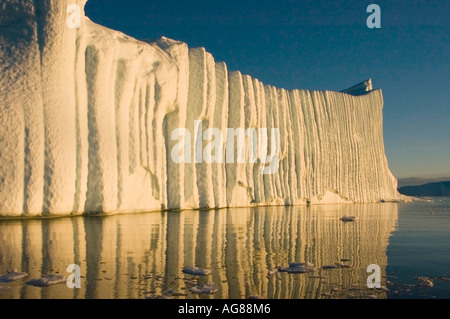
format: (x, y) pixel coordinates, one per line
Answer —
(88, 115)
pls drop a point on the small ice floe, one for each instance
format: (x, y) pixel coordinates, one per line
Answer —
(296, 270)
(47, 280)
(329, 267)
(207, 289)
(300, 270)
(349, 218)
(306, 264)
(13, 276)
(272, 272)
(173, 293)
(194, 271)
(425, 282)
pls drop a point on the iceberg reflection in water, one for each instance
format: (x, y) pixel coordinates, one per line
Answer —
(142, 255)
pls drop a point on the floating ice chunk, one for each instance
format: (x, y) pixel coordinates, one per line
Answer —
(196, 271)
(300, 270)
(342, 265)
(425, 282)
(13, 276)
(329, 266)
(206, 289)
(47, 280)
(305, 264)
(272, 272)
(349, 218)
(296, 270)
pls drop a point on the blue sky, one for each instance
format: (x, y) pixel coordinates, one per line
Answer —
(321, 45)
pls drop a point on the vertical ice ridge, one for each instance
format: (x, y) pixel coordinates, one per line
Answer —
(120, 90)
(94, 198)
(141, 126)
(58, 55)
(291, 180)
(267, 178)
(250, 124)
(131, 130)
(289, 175)
(235, 172)
(283, 193)
(81, 130)
(204, 175)
(320, 165)
(258, 196)
(220, 122)
(298, 144)
(277, 120)
(175, 195)
(78, 101)
(195, 107)
(146, 128)
(106, 118)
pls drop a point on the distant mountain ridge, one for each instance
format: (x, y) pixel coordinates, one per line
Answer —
(430, 189)
(418, 181)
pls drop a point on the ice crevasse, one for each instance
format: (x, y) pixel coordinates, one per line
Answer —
(87, 116)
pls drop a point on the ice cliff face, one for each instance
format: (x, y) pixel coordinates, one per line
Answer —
(87, 116)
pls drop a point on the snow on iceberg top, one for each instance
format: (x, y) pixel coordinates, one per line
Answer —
(361, 88)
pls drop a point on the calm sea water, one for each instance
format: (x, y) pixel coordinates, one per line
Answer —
(143, 255)
(420, 246)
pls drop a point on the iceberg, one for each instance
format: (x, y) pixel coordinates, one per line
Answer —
(47, 280)
(13, 276)
(87, 115)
